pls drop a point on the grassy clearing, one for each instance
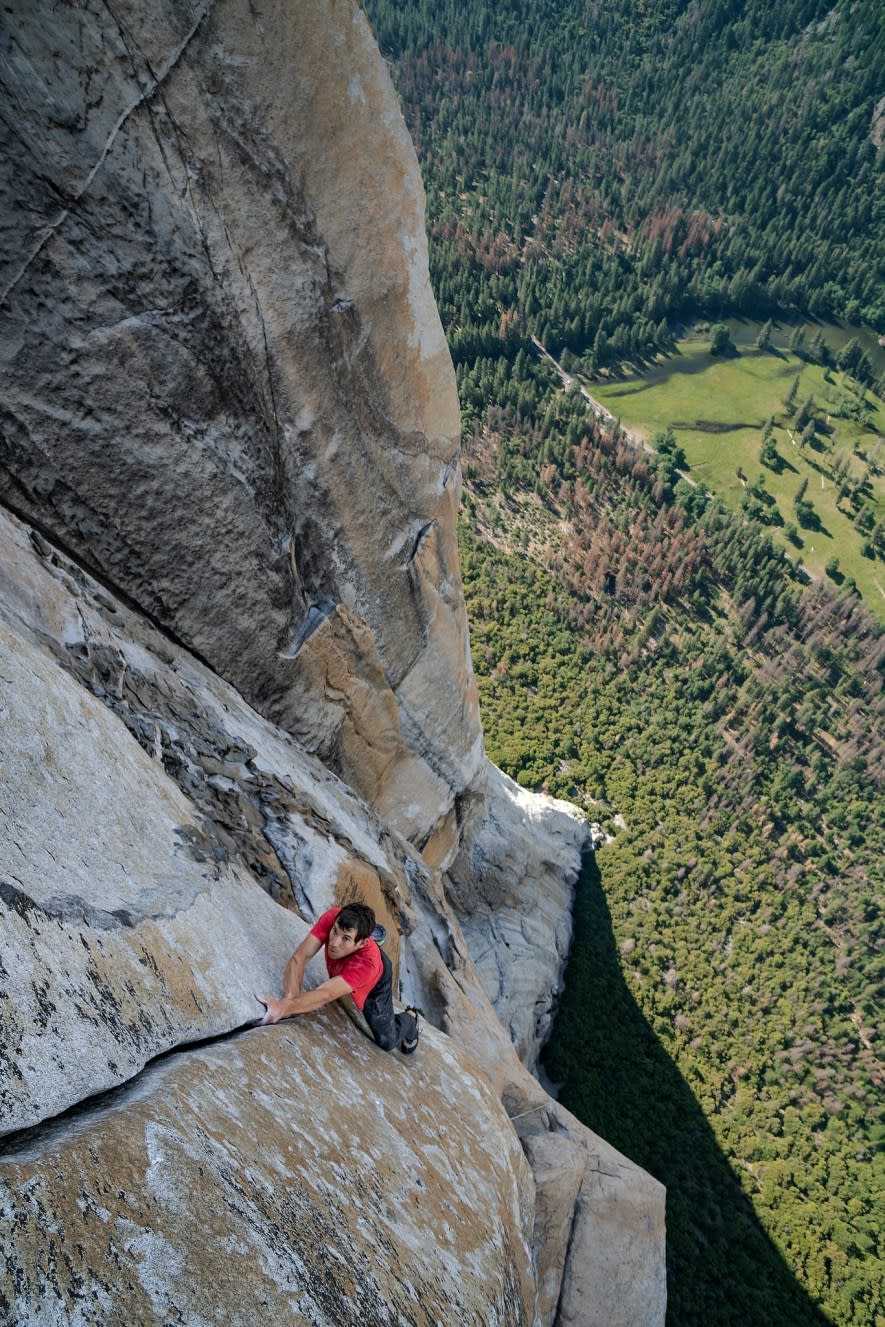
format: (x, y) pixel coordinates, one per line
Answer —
(718, 409)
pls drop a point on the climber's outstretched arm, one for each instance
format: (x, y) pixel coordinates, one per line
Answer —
(331, 990)
(293, 978)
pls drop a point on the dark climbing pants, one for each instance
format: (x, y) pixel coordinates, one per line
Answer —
(388, 1029)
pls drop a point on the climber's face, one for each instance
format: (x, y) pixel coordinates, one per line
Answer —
(342, 942)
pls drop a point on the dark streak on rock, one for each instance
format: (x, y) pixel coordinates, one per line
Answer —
(81, 1112)
(70, 909)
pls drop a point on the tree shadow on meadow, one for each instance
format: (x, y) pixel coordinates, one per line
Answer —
(617, 1077)
(682, 365)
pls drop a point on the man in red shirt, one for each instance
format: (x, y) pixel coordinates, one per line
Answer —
(356, 967)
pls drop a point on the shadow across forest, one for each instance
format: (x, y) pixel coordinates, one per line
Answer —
(616, 1076)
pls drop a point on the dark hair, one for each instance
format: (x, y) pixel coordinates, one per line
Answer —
(357, 917)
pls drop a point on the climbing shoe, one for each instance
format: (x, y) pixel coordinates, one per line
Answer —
(410, 1044)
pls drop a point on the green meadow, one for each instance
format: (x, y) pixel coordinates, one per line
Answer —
(718, 408)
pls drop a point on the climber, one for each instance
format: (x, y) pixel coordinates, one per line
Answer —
(356, 967)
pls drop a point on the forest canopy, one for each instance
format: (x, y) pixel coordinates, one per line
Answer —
(597, 173)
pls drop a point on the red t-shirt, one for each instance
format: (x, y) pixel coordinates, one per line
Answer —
(360, 970)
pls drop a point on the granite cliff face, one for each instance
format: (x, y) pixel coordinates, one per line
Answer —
(234, 687)
(227, 388)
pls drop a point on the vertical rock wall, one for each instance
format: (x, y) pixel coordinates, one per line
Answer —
(226, 386)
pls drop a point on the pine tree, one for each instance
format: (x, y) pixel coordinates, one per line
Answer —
(600, 348)
(818, 351)
(769, 454)
(720, 340)
(863, 369)
(790, 398)
(805, 412)
(848, 356)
